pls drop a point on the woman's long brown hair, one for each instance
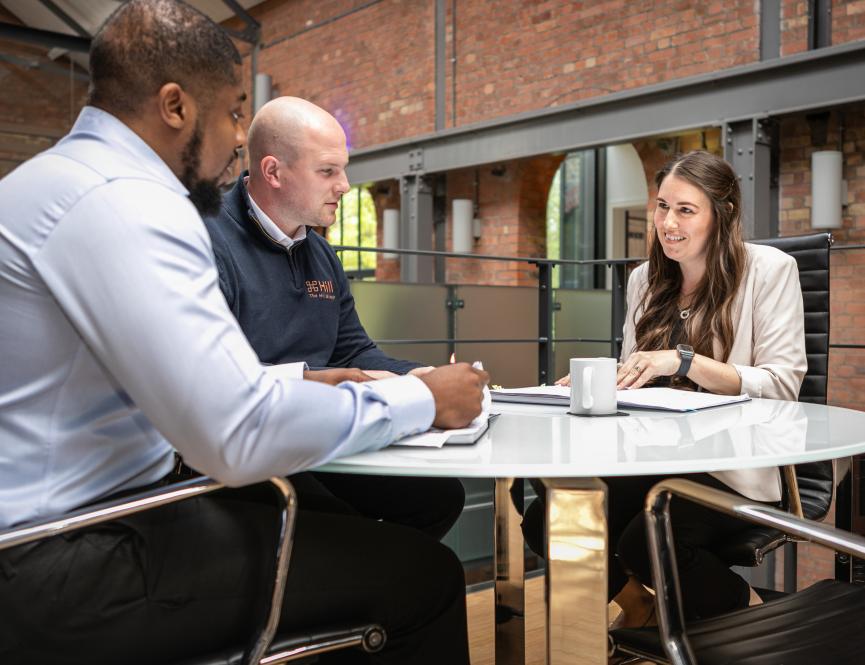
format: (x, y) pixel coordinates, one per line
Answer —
(712, 301)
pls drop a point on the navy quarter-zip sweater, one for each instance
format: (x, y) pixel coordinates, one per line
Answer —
(294, 305)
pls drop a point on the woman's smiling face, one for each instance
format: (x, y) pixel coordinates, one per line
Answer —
(684, 220)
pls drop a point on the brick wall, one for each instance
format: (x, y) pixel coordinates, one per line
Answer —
(373, 65)
(37, 105)
(848, 23)
(370, 65)
(847, 372)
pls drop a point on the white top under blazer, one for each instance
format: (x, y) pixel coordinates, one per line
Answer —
(768, 344)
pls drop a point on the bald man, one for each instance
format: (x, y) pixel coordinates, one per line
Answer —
(291, 297)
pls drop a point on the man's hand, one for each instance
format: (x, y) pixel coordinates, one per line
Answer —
(336, 375)
(458, 393)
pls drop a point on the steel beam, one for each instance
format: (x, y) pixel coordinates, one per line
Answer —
(747, 146)
(805, 81)
(52, 6)
(416, 228)
(21, 33)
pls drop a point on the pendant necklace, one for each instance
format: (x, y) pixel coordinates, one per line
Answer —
(684, 313)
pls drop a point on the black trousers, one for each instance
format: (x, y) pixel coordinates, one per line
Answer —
(188, 579)
(708, 585)
(431, 505)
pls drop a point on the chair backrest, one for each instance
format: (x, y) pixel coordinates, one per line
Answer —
(812, 257)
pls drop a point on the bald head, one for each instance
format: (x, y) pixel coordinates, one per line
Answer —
(297, 161)
(284, 126)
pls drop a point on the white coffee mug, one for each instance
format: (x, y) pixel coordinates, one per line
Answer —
(593, 386)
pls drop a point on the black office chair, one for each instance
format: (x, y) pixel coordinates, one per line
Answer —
(265, 646)
(808, 488)
(824, 623)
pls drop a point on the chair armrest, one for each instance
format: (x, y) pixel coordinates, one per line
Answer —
(665, 578)
(136, 503)
(107, 511)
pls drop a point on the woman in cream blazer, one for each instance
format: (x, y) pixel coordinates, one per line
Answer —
(705, 312)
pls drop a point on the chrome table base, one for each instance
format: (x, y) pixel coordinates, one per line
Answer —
(576, 576)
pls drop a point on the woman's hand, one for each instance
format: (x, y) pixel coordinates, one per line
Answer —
(643, 366)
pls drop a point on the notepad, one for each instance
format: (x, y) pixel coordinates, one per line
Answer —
(436, 438)
(549, 395)
(670, 399)
(658, 399)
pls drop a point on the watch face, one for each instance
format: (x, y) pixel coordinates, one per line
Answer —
(685, 350)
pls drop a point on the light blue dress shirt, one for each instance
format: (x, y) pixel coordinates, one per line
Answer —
(117, 345)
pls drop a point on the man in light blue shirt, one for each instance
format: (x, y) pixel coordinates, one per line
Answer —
(119, 348)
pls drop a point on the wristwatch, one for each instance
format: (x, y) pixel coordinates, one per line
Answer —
(686, 354)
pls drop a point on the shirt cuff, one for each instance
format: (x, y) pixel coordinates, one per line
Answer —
(752, 380)
(292, 371)
(410, 402)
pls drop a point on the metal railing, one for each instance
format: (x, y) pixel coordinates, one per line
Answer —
(546, 306)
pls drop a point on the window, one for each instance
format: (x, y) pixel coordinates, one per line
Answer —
(355, 226)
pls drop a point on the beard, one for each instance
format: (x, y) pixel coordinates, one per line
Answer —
(205, 194)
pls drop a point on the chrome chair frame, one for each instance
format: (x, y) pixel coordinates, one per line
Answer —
(671, 622)
(371, 637)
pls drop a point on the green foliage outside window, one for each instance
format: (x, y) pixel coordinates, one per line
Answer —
(355, 225)
(554, 223)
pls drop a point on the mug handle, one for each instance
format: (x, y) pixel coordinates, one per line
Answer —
(588, 402)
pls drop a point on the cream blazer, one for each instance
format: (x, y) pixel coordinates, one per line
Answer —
(768, 345)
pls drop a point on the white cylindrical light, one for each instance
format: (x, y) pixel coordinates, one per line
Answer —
(262, 91)
(390, 234)
(826, 189)
(462, 217)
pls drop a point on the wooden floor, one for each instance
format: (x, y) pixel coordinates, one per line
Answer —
(480, 617)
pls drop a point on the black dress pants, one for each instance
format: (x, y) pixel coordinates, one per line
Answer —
(708, 585)
(431, 505)
(188, 579)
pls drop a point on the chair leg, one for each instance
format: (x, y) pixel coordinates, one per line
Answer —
(791, 567)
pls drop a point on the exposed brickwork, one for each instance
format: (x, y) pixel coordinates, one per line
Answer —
(518, 56)
(794, 26)
(848, 21)
(372, 68)
(37, 105)
(846, 383)
(512, 200)
(385, 195)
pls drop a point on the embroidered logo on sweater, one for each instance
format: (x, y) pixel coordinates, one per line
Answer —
(318, 288)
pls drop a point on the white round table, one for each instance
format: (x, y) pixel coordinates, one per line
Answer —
(571, 453)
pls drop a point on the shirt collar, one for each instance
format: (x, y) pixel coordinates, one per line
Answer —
(270, 228)
(107, 128)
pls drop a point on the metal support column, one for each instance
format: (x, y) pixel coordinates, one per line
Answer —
(545, 322)
(618, 309)
(576, 578)
(819, 24)
(770, 29)
(441, 63)
(416, 227)
(510, 645)
(747, 147)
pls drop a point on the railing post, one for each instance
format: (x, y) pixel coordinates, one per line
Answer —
(617, 309)
(545, 322)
